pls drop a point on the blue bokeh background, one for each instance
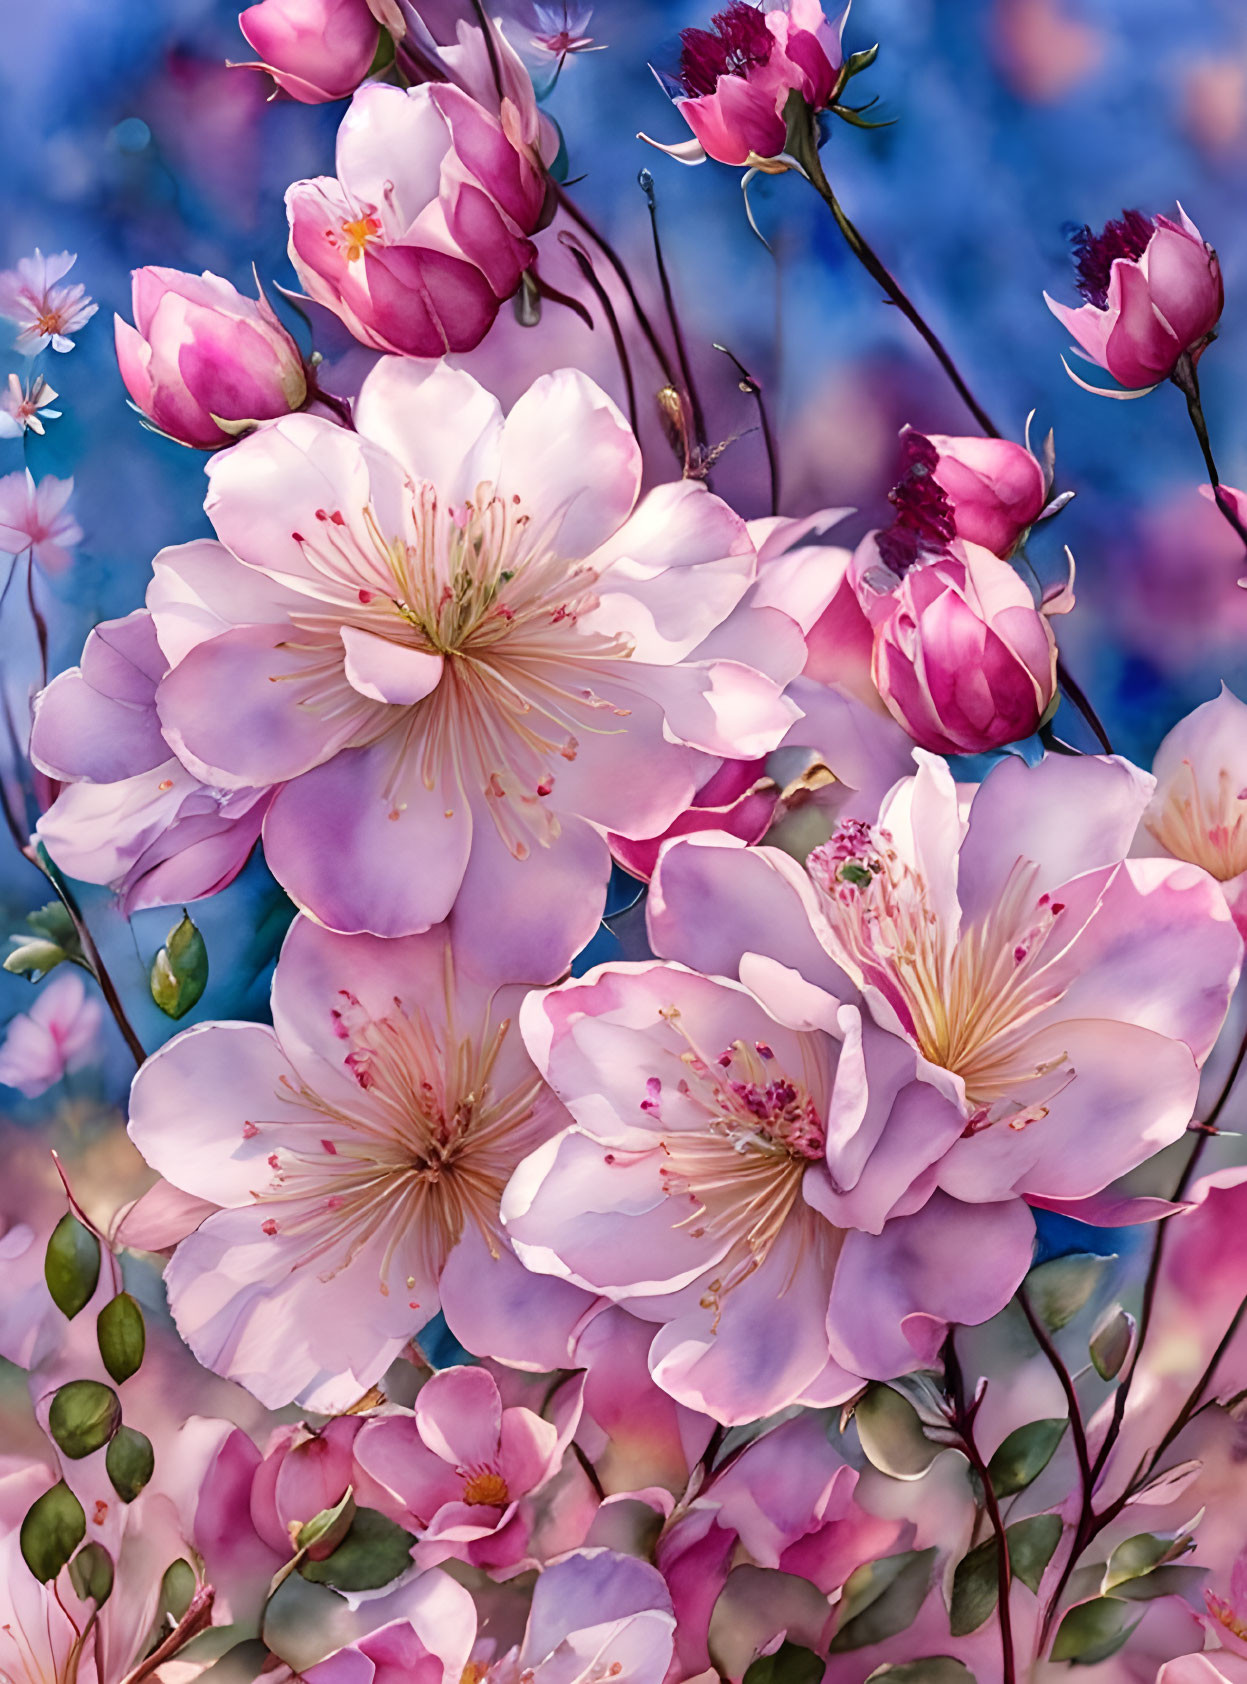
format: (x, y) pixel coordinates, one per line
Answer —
(126, 140)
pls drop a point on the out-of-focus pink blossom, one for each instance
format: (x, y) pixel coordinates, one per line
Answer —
(47, 314)
(460, 1469)
(315, 50)
(35, 518)
(1199, 809)
(203, 362)
(996, 488)
(57, 1035)
(425, 230)
(735, 78)
(26, 408)
(130, 814)
(496, 660)
(1214, 1667)
(1153, 294)
(356, 1154)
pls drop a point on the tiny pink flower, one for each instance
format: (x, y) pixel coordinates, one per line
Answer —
(735, 78)
(315, 50)
(26, 408)
(561, 30)
(57, 1035)
(1153, 294)
(35, 518)
(46, 313)
(203, 362)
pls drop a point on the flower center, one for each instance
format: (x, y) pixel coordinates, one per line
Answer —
(358, 234)
(740, 1174)
(1226, 1615)
(1208, 828)
(736, 42)
(969, 997)
(923, 523)
(1095, 254)
(486, 1489)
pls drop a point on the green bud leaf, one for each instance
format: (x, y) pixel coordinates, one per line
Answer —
(1059, 1288)
(790, 1664)
(122, 1336)
(857, 62)
(1111, 1341)
(321, 1535)
(932, 1669)
(180, 970)
(1092, 1632)
(976, 1581)
(890, 1432)
(71, 1265)
(52, 1530)
(83, 1417)
(130, 1462)
(374, 1551)
(177, 1591)
(91, 1573)
(881, 1598)
(33, 957)
(1024, 1455)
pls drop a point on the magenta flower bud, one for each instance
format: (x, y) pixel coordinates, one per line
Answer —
(424, 232)
(737, 75)
(1153, 295)
(203, 362)
(315, 50)
(996, 488)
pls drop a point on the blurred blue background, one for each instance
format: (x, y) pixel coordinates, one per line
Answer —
(126, 140)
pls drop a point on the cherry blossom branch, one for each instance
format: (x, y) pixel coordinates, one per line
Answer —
(1186, 379)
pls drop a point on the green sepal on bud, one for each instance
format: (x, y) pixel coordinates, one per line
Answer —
(122, 1336)
(1112, 1341)
(179, 971)
(321, 1535)
(83, 1417)
(130, 1462)
(52, 941)
(91, 1573)
(52, 1530)
(71, 1265)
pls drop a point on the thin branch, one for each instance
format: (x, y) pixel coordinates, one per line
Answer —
(1186, 380)
(1078, 696)
(585, 264)
(646, 181)
(753, 389)
(1077, 1430)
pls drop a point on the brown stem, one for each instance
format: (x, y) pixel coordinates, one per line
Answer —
(697, 416)
(585, 264)
(1078, 696)
(1186, 380)
(752, 388)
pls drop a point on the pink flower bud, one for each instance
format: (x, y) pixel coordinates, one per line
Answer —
(315, 50)
(1153, 291)
(418, 257)
(737, 75)
(203, 362)
(302, 1474)
(996, 489)
(962, 656)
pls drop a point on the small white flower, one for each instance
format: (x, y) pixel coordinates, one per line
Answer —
(20, 407)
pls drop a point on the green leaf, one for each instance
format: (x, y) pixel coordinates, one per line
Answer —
(71, 1265)
(180, 970)
(374, 1552)
(130, 1462)
(976, 1582)
(1164, 1581)
(52, 1530)
(933, 1669)
(891, 1434)
(91, 1573)
(122, 1336)
(881, 1598)
(1059, 1288)
(1024, 1455)
(1092, 1632)
(177, 1591)
(1140, 1554)
(790, 1664)
(1111, 1341)
(321, 1535)
(83, 1416)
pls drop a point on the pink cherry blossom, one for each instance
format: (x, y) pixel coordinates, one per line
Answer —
(315, 50)
(465, 652)
(460, 1470)
(1199, 809)
(47, 313)
(130, 814)
(736, 76)
(752, 1163)
(1153, 294)
(357, 1153)
(424, 232)
(24, 408)
(203, 362)
(35, 518)
(59, 1034)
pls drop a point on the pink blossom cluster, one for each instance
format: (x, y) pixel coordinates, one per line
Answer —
(762, 1367)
